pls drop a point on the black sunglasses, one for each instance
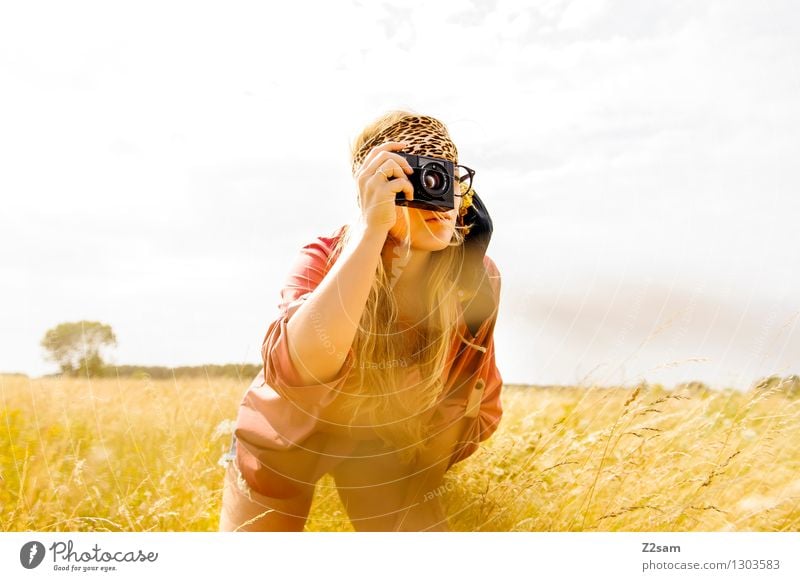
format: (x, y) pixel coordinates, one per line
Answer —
(463, 177)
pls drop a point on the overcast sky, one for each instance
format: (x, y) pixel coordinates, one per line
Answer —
(161, 165)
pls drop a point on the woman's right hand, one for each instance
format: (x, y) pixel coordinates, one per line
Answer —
(381, 175)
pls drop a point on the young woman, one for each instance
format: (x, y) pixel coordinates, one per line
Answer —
(380, 366)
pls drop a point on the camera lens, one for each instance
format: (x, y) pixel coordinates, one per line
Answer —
(434, 179)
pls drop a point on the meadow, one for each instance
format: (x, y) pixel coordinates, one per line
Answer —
(142, 455)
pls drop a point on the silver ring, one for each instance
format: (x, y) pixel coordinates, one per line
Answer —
(380, 171)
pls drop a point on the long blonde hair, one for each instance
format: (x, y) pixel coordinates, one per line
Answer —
(379, 388)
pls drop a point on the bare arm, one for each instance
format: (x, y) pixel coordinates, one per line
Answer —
(323, 328)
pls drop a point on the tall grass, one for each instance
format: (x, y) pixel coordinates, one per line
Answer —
(142, 455)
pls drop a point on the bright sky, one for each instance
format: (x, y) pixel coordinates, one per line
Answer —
(163, 163)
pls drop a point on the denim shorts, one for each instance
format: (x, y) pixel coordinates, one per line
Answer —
(230, 455)
(228, 460)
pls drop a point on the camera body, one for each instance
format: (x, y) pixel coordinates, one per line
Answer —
(433, 181)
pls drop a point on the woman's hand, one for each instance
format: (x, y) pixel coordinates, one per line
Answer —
(381, 176)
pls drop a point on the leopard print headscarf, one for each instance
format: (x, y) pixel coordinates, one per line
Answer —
(424, 135)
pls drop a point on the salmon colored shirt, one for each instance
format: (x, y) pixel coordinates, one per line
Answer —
(278, 412)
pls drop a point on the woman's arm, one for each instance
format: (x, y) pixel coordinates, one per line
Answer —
(323, 328)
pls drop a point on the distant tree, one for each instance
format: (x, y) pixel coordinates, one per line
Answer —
(75, 347)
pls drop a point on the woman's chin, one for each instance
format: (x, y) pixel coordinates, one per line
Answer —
(432, 242)
(430, 239)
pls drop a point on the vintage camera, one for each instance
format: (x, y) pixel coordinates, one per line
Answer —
(433, 180)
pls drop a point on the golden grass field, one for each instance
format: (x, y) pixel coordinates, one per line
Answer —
(141, 455)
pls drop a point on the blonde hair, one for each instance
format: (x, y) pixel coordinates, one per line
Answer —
(378, 388)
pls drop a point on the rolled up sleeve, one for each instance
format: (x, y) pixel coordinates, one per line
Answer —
(281, 375)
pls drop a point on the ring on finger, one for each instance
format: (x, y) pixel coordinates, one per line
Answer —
(380, 171)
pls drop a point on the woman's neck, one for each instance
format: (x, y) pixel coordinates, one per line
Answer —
(406, 270)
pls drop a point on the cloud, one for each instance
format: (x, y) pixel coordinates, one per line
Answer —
(192, 154)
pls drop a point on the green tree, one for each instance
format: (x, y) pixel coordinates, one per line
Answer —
(75, 347)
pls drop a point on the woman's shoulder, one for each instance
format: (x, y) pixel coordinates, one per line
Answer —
(320, 252)
(328, 239)
(323, 245)
(494, 274)
(491, 266)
